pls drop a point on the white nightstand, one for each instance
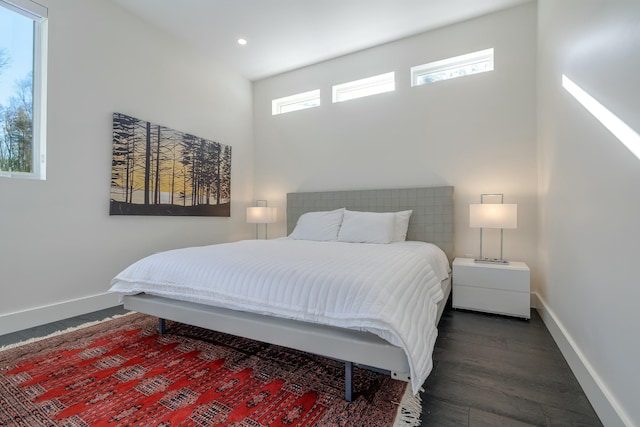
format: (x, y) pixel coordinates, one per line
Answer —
(492, 288)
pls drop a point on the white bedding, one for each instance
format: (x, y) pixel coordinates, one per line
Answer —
(390, 290)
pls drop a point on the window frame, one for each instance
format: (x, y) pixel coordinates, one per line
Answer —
(279, 105)
(39, 15)
(341, 92)
(453, 63)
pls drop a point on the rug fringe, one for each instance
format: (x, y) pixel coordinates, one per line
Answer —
(409, 410)
(60, 332)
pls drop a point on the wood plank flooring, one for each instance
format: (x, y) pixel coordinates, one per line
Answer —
(499, 371)
(488, 371)
(44, 330)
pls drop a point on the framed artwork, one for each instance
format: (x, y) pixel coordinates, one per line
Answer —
(160, 171)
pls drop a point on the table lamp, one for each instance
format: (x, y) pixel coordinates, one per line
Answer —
(493, 215)
(261, 214)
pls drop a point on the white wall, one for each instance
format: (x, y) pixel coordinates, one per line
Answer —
(477, 133)
(57, 241)
(590, 197)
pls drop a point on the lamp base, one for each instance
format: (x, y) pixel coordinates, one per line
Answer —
(491, 261)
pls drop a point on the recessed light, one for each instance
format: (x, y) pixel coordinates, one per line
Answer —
(242, 42)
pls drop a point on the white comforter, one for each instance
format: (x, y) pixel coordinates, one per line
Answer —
(389, 290)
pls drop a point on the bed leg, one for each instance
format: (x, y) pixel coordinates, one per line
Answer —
(348, 381)
(162, 326)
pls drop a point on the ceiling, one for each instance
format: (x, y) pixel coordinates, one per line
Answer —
(284, 35)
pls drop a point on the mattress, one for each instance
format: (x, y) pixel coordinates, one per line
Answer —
(390, 290)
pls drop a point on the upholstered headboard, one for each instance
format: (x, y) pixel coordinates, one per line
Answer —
(431, 221)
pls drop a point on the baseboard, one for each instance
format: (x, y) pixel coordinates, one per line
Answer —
(603, 402)
(13, 322)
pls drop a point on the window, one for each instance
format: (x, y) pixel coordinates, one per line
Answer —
(365, 87)
(23, 35)
(459, 66)
(297, 102)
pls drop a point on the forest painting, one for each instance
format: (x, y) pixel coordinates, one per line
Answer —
(161, 171)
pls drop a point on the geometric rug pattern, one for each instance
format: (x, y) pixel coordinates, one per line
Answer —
(121, 372)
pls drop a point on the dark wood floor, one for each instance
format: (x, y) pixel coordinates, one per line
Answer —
(488, 371)
(500, 371)
(44, 330)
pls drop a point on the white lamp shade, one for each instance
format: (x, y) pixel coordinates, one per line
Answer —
(493, 215)
(261, 215)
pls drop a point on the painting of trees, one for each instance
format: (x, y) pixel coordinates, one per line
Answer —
(160, 171)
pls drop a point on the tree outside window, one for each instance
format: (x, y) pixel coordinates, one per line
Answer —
(21, 96)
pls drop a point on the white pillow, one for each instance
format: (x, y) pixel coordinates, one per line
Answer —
(402, 224)
(321, 226)
(367, 227)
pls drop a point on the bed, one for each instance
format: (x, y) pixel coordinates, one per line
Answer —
(363, 343)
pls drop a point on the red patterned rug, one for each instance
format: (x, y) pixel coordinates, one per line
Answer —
(120, 372)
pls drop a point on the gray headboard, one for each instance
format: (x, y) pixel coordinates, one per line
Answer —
(431, 221)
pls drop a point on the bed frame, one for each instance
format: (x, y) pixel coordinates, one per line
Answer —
(431, 221)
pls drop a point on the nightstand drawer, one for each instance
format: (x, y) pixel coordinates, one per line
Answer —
(489, 278)
(492, 301)
(492, 288)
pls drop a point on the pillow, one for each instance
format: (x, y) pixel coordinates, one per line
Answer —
(321, 226)
(402, 224)
(367, 227)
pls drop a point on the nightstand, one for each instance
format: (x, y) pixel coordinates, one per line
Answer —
(492, 288)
